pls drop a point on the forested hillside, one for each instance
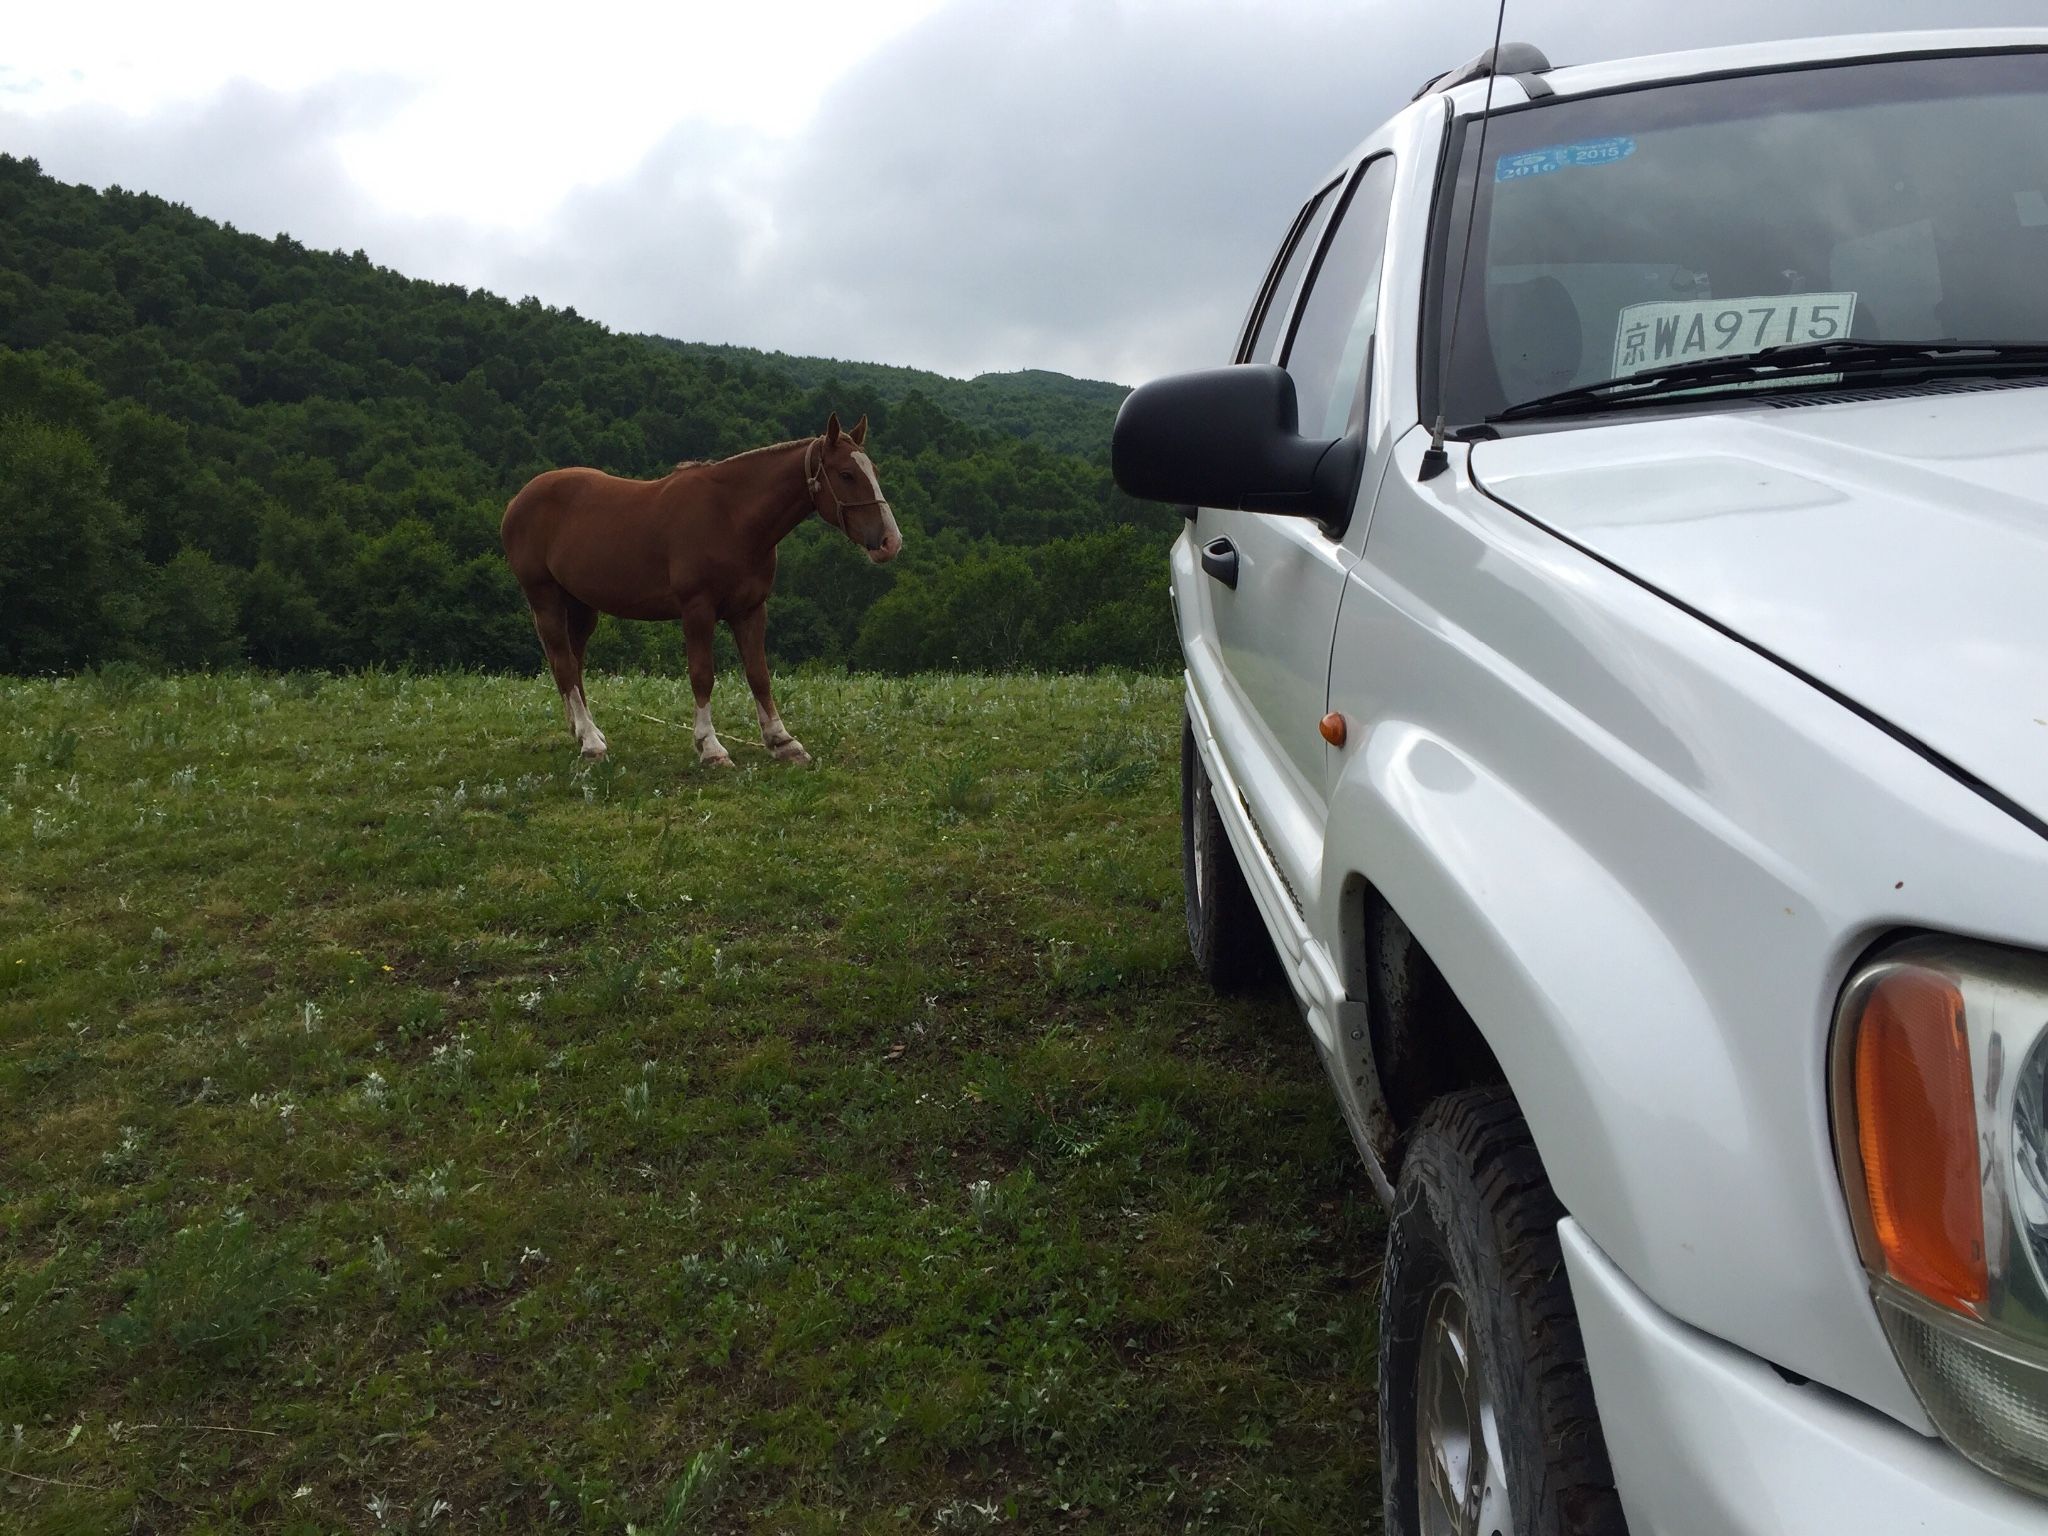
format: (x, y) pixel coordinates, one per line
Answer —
(218, 448)
(1067, 414)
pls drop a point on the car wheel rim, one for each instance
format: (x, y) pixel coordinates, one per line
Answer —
(1461, 1486)
(1201, 859)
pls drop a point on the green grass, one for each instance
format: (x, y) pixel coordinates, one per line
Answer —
(405, 1125)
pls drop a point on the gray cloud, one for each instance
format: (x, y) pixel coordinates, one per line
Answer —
(1107, 192)
(258, 158)
(1072, 184)
(1001, 188)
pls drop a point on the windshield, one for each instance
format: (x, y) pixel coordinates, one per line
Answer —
(1616, 235)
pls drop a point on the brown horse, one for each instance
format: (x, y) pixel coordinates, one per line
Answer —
(697, 545)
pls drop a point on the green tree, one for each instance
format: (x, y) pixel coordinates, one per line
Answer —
(282, 624)
(66, 559)
(194, 612)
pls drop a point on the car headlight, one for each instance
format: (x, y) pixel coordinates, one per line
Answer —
(1940, 1092)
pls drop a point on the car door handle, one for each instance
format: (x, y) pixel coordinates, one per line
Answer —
(1219, 559)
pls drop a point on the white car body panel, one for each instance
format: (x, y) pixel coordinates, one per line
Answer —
(1276, 673)
(1589, 767)
(1895, 551)
(1556, 779)
(1707, 1441)
(1746, 58)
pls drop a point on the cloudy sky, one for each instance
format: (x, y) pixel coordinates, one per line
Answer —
(1087, 185)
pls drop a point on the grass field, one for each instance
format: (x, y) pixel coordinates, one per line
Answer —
(405, 1125)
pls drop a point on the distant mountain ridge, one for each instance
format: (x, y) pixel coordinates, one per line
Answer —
(1066, 414)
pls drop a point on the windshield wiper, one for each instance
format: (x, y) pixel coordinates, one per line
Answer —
(1790, 363)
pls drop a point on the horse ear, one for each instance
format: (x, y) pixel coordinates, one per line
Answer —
(832, 429)
(859, 434)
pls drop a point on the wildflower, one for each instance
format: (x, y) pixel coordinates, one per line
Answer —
(455, 1053)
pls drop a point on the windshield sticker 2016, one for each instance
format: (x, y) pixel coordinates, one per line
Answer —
(1682, 330)
(1557, 157)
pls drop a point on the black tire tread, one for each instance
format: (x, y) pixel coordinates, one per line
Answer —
(1229, 942)
(1481, 1130)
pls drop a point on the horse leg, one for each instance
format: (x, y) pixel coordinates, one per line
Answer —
(751, 631)
(550, 606)
(582, 619)
(700, 624)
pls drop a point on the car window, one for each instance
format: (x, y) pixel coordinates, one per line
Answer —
(1333, 335)
(1897, 200)
(1305, 235)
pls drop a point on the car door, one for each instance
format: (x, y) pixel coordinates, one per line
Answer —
(1274, 582)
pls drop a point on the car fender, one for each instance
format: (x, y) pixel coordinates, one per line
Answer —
(1642, 858)
(1588, 1006)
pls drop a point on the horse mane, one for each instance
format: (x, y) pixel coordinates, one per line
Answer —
(794, 442)
(749, 453)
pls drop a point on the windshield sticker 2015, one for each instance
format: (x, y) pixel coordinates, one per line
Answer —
(1681, 330)
(1557, 157)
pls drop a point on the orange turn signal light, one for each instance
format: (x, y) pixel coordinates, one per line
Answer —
(1332, 727)
(1916, 1134)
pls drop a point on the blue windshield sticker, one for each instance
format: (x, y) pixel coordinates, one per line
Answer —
(1542, 162)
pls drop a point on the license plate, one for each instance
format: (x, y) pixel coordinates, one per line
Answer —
(1670, 331)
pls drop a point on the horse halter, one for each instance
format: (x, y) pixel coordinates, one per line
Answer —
(813, 478)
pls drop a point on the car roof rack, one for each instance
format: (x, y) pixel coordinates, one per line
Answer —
(1507, 59)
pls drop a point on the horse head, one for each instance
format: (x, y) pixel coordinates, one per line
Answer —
(846, 492)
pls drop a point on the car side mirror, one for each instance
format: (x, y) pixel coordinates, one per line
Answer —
(1229, 437)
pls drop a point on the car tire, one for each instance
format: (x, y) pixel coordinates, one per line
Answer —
(1487, 1421)
(1225, 932)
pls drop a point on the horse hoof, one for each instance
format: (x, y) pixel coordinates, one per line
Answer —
(791, 752)
(594, 754)
(723, 760)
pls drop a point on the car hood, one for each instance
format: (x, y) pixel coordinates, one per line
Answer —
(1895, 551)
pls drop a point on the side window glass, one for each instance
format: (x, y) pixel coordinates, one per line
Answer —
(1307, 234)
(1333, 337)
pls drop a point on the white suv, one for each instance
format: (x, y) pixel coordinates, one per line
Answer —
(1615, 604)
